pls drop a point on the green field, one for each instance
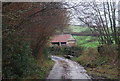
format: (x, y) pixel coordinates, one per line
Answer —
(78, 28)
(84, 41)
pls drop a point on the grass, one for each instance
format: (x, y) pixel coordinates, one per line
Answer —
(78, 28)
(105, 71)
(44, 66)
(91, 44)
(86, 41)
(99, 65)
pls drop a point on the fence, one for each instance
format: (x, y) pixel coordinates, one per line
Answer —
(74, 51)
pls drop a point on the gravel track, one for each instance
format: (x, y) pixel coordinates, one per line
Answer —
(67, 69)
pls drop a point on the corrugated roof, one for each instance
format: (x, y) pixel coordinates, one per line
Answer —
(61, 38)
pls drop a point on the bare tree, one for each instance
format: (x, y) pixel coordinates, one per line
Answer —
(100, 18)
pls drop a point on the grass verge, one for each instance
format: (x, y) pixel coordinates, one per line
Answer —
(44, 66)
(98, 66)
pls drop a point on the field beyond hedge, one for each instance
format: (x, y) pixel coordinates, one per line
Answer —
(84, 41)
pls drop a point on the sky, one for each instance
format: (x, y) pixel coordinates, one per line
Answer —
(74, 21)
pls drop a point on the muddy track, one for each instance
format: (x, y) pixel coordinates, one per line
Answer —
(67, 69)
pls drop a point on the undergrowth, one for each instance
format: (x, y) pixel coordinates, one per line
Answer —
(103, 65)
(18, 61)
(44, 65)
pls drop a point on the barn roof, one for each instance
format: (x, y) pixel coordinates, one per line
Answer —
(62, 38)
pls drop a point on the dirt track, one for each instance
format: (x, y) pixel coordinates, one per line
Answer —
(67, 69)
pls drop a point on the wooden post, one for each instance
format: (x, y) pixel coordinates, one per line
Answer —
(59, 43)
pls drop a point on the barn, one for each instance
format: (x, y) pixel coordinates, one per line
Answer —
(63, 40)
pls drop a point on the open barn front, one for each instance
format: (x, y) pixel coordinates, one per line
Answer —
(58, 43)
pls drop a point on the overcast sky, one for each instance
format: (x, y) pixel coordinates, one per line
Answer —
(74, 21)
